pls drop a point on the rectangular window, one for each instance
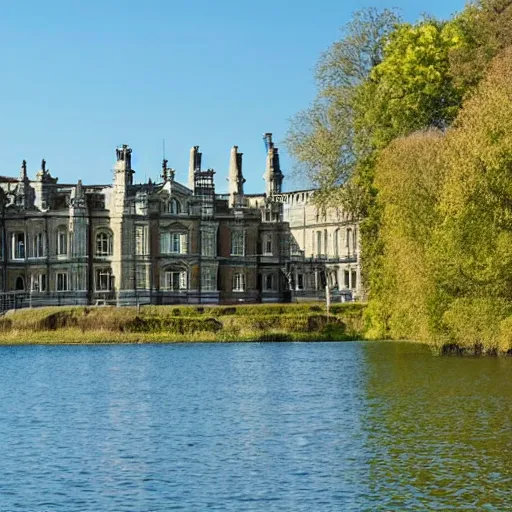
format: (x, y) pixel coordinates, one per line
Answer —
(300, 281)
(347, 279)
(62, 281)
(319, 243)
(140, 277)
(103, 280)
(208, 279)
(238, 243)
(326, 251)
(354, 279)
(176, 280)
(38, 246)
(267, 244)
(337, 243)
(173, 243)
(208, 244)
(349, 242)
(269, 282)
(104, 244)
(18, 246)
(62, 243)
(38, 282)
(165, 242)
(141, 240)
(238, 282)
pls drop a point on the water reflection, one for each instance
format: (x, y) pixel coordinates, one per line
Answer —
(274, 427)
(438, 430)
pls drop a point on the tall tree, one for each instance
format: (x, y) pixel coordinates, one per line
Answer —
(409, 176)
(485, 28)
(321, 138)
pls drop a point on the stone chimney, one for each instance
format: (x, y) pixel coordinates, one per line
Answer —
(273, 175)
(194, 166)
(236, 179)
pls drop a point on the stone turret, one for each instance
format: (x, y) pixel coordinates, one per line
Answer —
(236, 179)
(273, 175)
(23, 171)
(24, 193)
(119, 223)
(194, 166)
(123, 172)
(167, 172)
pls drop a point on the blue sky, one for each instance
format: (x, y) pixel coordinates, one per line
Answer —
(81, 77)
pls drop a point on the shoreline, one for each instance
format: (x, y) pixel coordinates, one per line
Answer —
(81, 325)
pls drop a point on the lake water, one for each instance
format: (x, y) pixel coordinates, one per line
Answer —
(253, 427)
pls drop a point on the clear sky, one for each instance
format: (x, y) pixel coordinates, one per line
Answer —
(81, 77)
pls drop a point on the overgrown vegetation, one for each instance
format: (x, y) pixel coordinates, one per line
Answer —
(411, 133)
(160, 324)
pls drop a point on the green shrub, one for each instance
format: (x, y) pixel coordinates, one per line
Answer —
(477, 325)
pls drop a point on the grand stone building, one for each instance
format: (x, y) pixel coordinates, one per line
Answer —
(168, 243)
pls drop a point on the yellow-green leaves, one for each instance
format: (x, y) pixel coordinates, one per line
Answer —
(412, 87)
(446, 223)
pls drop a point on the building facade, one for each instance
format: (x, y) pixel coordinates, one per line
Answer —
(167, 243)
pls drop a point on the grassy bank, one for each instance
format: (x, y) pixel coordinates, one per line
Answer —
(164, 324)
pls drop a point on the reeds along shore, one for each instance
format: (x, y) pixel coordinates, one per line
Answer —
(161, 324)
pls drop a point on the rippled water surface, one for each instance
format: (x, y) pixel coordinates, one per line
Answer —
(253, 427)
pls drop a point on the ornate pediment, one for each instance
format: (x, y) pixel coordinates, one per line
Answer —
(175, 226)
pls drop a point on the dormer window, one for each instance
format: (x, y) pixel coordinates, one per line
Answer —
(174, 206)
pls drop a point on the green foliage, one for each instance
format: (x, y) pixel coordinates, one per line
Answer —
(479, 325)
(446, 226)
(409, 176)
(273, 322)
(411, 88)
(412, 133)
(485, 29)
(322, 138)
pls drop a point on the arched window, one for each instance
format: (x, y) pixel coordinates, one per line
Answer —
(20, 284)
(174, 206)
(104, 244)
